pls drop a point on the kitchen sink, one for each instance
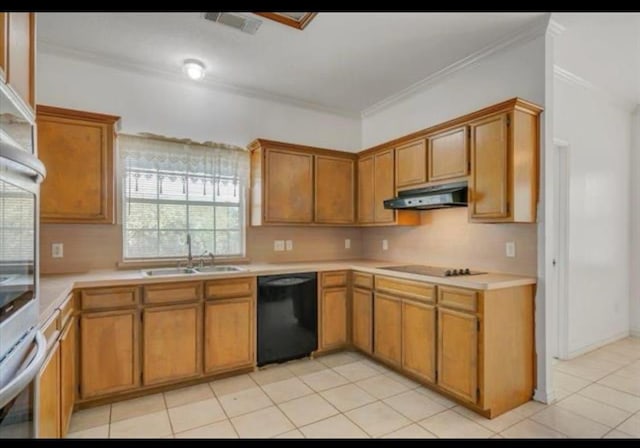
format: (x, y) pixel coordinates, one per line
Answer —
(168, 271)
(209, 269)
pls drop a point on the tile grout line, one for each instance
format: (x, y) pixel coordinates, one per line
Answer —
(166, 409)
(215, 395)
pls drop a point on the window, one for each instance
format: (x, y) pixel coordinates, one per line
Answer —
(171, 189)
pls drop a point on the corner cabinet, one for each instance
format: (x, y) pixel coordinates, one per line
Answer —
(295, 184)
(77, 149)
(504, 165)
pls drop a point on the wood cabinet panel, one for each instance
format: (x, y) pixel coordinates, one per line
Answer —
(49, 395)
(103, 298)
(229, 287)
(334, 190)
(362, 319)
(333, 279)
(384, 185)
(21, 55)
(172, 292)
(68, 380)
(458, 353)
(489, 174)
(171, 343)
(109, 352)
(365, 190)
(419, 339)
(288, 195)
(448, 154)
(362, 280)
(229, 334)
(387, 339)
(458, 298)
(411, 164)
(77, 149)
(406, 288)
(333, 318)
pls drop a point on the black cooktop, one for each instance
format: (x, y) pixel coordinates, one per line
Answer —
(433, 271)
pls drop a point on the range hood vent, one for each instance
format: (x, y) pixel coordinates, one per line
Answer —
(235, 20)
(429, 198)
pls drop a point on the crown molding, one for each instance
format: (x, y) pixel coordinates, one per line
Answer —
(555, 28)
(571, 78)
(169, 73)
(511, 40)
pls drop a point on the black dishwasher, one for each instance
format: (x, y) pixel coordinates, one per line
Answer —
(287, 316)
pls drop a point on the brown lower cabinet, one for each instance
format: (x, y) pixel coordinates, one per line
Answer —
(109, 352)
(68, 381)
(419, 339)
(171, 343)
(362, 319)
(333, 307)
(387, 324)
(229, 334)
(49, 395)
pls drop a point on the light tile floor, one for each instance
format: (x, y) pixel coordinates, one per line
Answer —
(346, 395)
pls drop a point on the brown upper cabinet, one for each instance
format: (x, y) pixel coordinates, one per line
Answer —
(448, 154)
(17, 54)
(504, 165)
(295, 184)
(77, 150)
(411, 163)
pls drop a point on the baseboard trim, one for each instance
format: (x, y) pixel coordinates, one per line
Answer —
(544, 396)
(587, 348)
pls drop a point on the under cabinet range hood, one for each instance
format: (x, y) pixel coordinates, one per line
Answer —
(429, 198)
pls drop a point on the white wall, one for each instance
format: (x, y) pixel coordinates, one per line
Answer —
(185, 109)
(516, 71)
(634, 304)
(593, 116)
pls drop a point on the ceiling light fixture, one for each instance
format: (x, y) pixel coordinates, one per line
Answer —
(194, 69)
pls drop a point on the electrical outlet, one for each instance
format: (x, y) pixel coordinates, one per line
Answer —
(510, 249)
(57, 250)
(385, 244)
(347, 243)
(289, 244)
(278, 245)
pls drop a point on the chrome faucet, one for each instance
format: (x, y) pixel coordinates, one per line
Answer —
(189, 256)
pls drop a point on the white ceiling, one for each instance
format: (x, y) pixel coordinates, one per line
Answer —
(343, 61)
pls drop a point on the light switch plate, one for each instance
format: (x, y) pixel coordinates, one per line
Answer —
(57, 250)
(510, 249)
(347, 243)
(278, 245)
(385, 244)
(289, 244)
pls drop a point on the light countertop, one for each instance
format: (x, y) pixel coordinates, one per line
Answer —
(54, 289)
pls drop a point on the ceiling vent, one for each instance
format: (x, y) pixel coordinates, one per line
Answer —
(235, 20)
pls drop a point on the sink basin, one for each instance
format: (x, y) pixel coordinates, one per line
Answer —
(219, 269)
(168, 271)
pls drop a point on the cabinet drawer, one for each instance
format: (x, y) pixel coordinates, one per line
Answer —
(406, 288)
(172, 292)
(66, 311)
(102, 298)
(362, 280)
(231, 287)
(460, 299)
(333, 279)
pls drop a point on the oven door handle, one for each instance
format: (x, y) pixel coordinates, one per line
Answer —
(26, 375)
(35, 168)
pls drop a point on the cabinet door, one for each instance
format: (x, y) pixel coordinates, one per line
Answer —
(109, 351)
(488, 194)
(362, 315)
(288, 194)
(78, 155)
(384, 188)
(68, 383)
(333, 318)
(49, 396)
(419, 339)
(411, 164)
(335, 190)
(458, 353)
(171, 343)
(387, 340)
(365, 190)
(229, 334)
(448, 155)
(20, 55)
(3, 45)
